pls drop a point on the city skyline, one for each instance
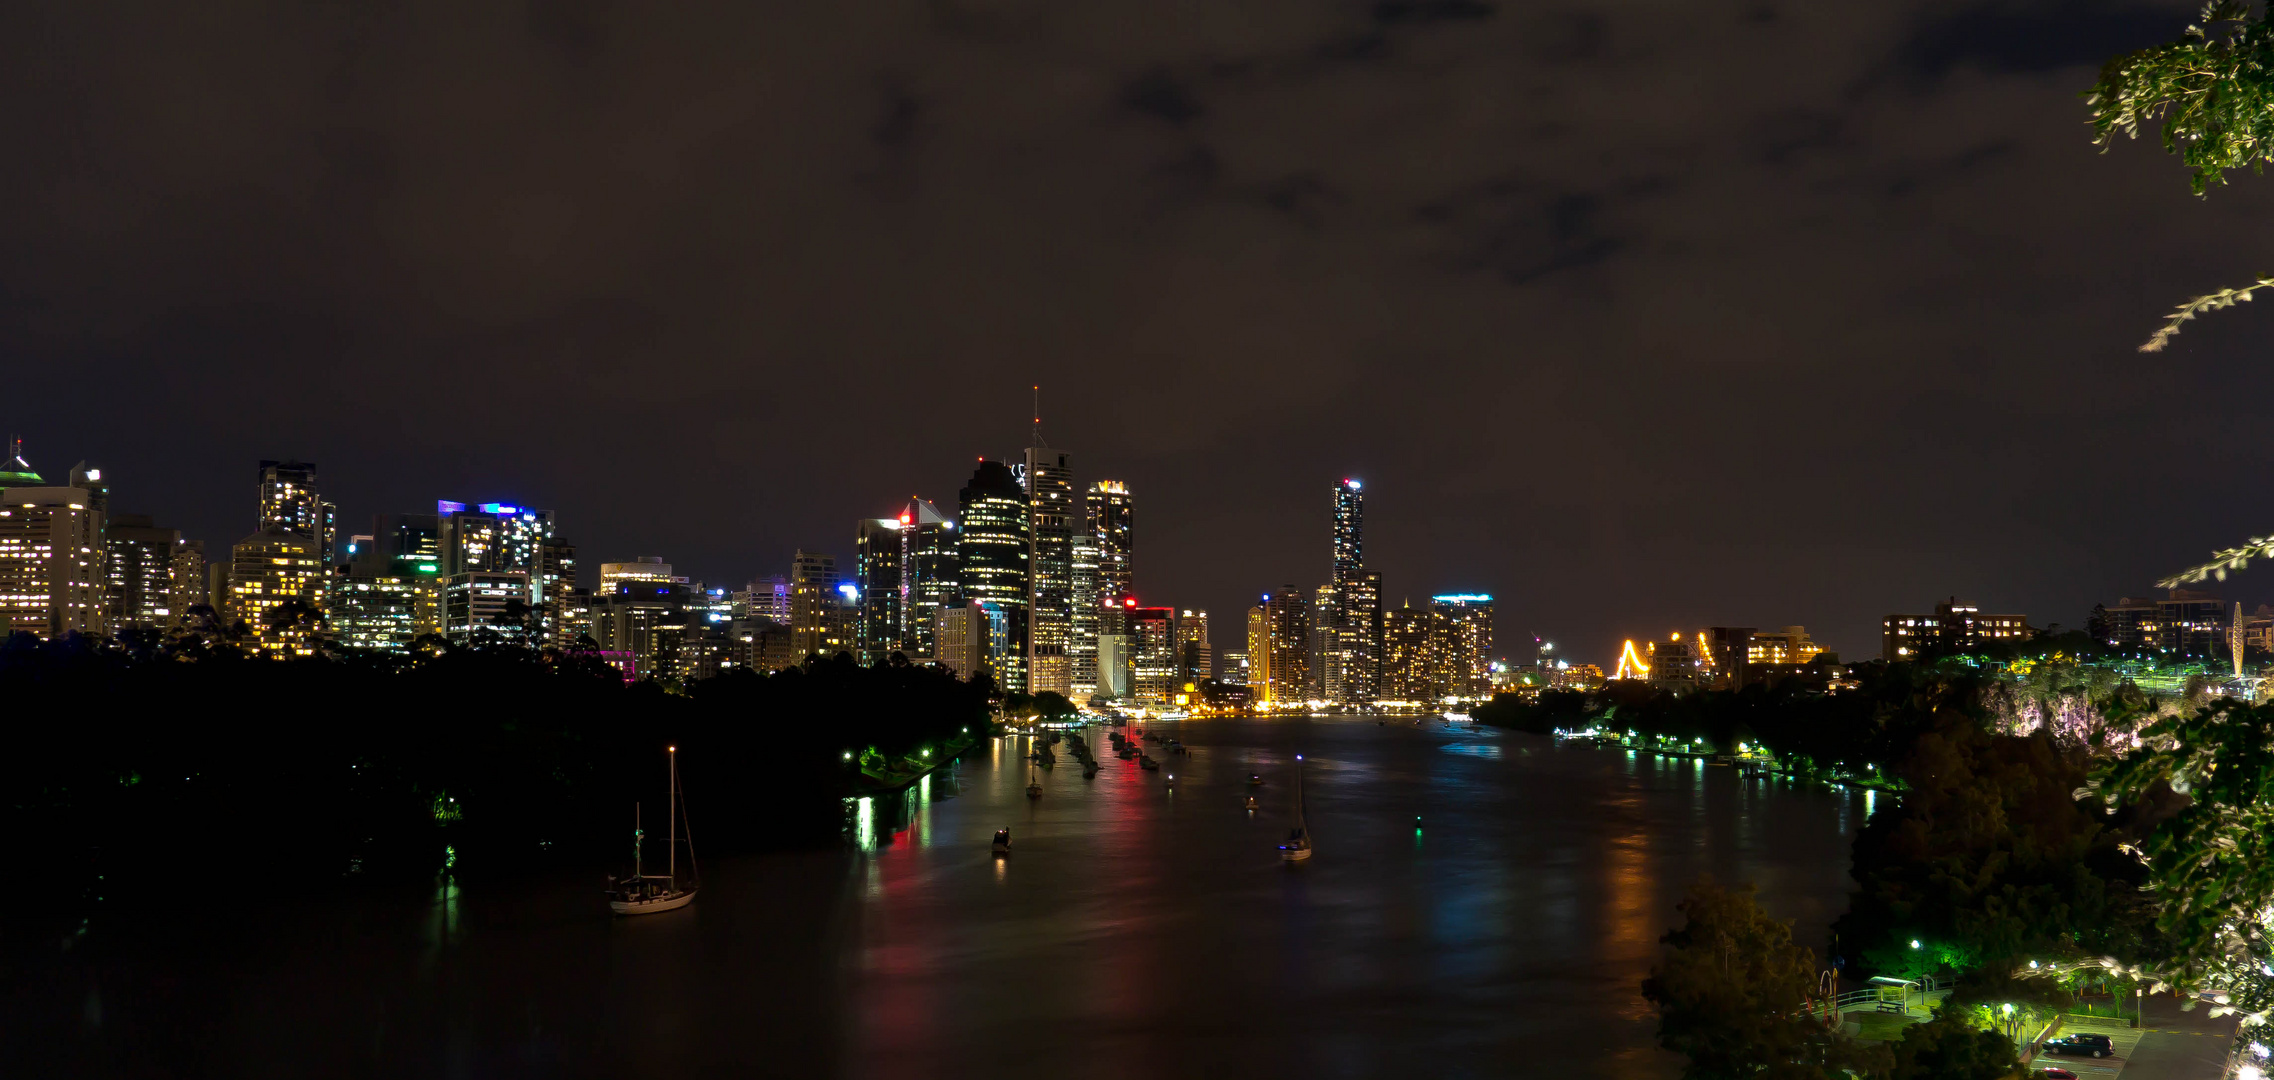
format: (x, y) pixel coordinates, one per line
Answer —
(1517, 620)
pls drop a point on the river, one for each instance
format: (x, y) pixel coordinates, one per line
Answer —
(1481, 904)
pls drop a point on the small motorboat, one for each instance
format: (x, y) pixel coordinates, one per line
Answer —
(1255, 779)
(1002, 841)
(1253, 806)
(1089, 770)
(1148, 764)
(1172, 782)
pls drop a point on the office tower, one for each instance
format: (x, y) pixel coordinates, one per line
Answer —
(1465, 652)
(490, 605)
(188, 580)
(1152, 638)
(1232, 667)
(496, 537)
(767, 599)
(1404, 670)
(1082, 629)
(1196, 659)
(138, 568)
(1325, 646)
(927, 574)
(412, 545)
(289, 502)
(641, 622)
(51, 541)
(1259, 653)
(992, 550)
(567, 608)
(645, 569)
(876, 576)
(1288, 612)
(276, 588)
(1052, 521)
(824, 608)
(16, 472)
(1111, 519)
(375, 598)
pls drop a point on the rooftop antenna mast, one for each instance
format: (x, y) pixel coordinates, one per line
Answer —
(1038, 439)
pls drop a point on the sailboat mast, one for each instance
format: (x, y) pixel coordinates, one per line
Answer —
(674, 862)
(636, 869)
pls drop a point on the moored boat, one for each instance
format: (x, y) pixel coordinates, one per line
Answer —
(644, 893)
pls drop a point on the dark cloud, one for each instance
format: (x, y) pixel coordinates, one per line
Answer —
(2034, 35)
(1638, 317)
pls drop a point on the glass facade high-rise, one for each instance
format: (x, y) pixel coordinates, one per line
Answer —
(993, 549)
(927, 576)
(1052, 520)
(876, 573)
(1112, 519)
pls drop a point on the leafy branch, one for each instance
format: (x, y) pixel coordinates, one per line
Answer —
(2213, 92)
(2224, 298)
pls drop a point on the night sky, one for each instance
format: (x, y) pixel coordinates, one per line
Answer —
(1640, 316)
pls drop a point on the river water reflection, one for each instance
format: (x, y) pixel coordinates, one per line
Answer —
(1481, 904)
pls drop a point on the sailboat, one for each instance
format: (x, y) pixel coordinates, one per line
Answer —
(1033, 785)
(1298, 845)
(644, 893)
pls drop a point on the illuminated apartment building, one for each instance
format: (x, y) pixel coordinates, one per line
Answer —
(276, 588)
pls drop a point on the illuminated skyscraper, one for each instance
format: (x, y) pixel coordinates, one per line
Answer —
(1405, 654)
(276, 588)
(1196, 658)
(992, 553)
(818, 625)
(876, 573)
(188, 580)
(1464, 648)
(1111, 518)
(927, 575)
(1152, 637)
(374, 604)
(1352, 640)
(290, 502)
(1052, 520)
(1259, 652)
(1082, 630)
(1286, 661)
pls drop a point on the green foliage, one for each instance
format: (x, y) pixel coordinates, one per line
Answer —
(1732, 993)
(1989, 861)
(2211, 860)
(1949, 1048)
(2212, 89)
(1053, 706)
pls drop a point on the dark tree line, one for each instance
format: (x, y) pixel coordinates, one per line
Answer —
(130, 766)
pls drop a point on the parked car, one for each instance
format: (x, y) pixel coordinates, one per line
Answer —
(2081, 1045)
(2055, 1072)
